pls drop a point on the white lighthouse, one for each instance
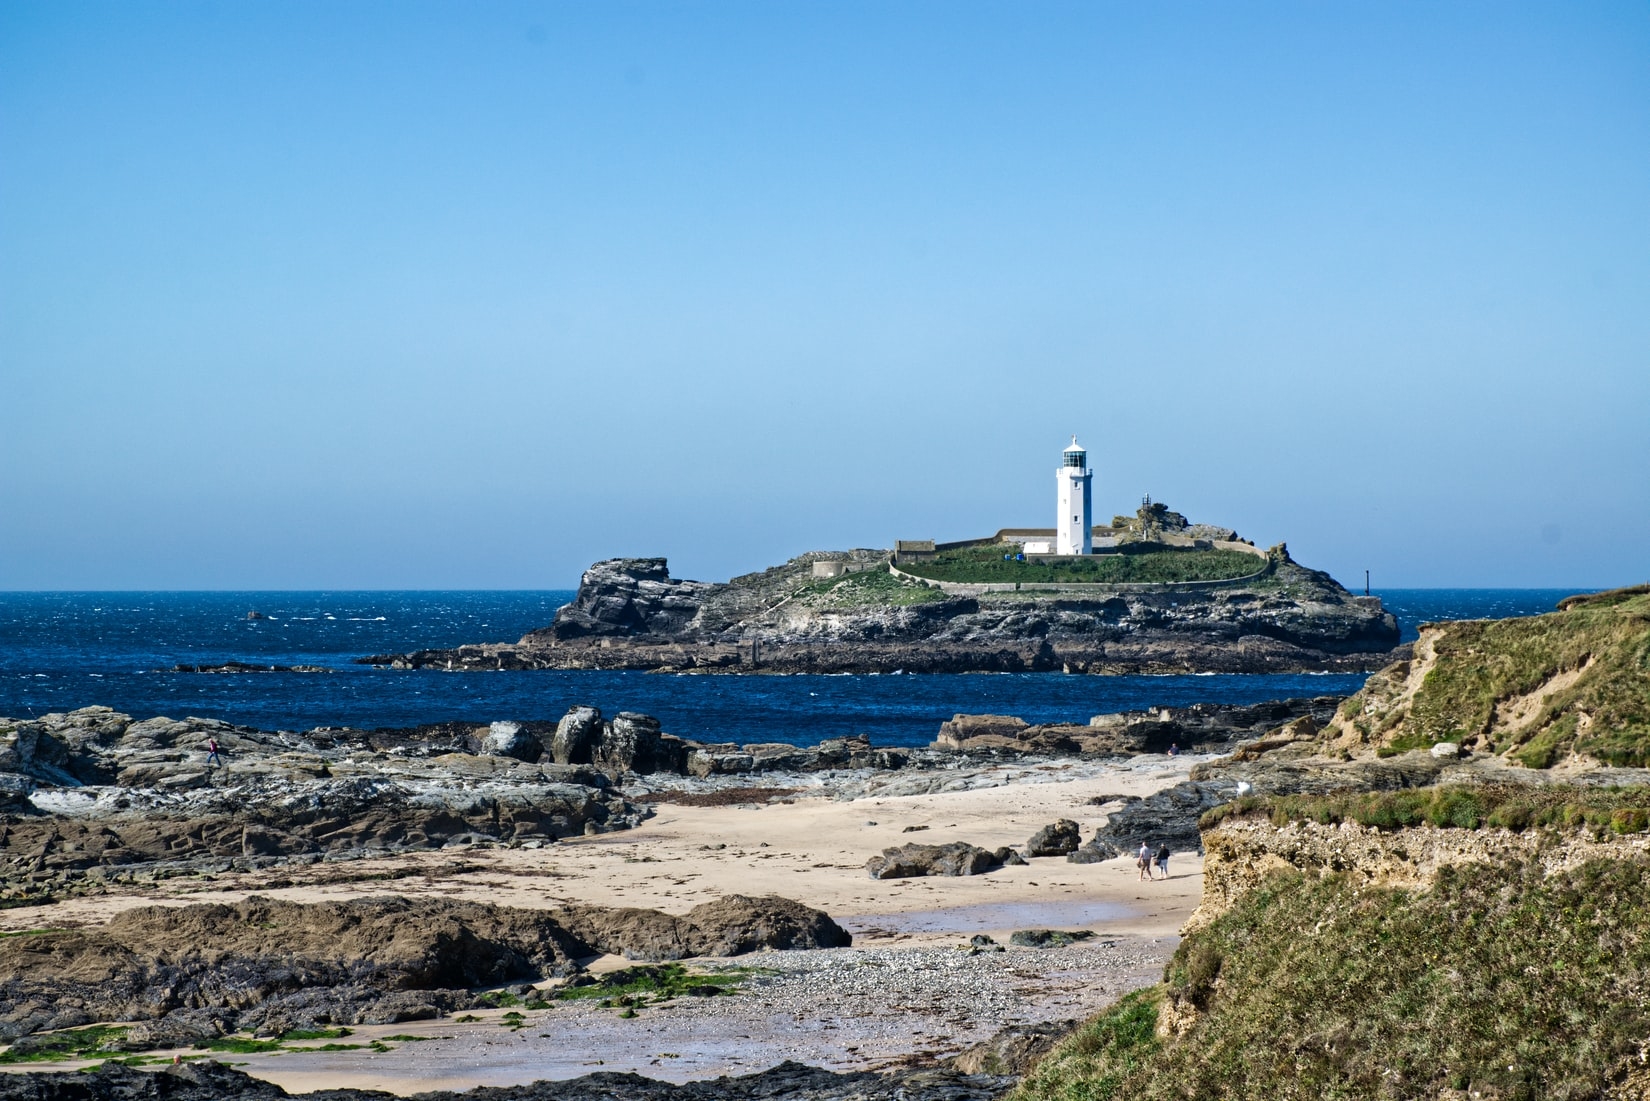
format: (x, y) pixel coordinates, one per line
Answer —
(1073, 527)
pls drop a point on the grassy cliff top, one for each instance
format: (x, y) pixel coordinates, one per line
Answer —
(1509, 806)
(1497, 981)
(1572, 685)
(986, 565)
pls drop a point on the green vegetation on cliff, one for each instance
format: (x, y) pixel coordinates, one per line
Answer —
(985, 564)
(1498, 981)
(1505, 806)
(1534, 689)
(867, 589)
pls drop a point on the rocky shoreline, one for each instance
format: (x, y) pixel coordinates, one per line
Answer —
(631, 614)
(91, 800)
(99, 805)
(193, 974)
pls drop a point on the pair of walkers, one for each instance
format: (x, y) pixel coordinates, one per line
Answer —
(1144, 861)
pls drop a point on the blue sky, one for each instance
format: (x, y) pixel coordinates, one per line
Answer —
(400, 295)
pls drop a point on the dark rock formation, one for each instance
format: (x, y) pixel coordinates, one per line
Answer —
(93, 797)
(1264, 766)
(956, 858)
(1165, 817)
(729, 926)
(1057, 839)
(632, 743)
(630, 614)
(577, 735)
(1203, 726)
(208, 1081)
(1048, 938)
(1013, 1050)
(272, 965)
(629, 596)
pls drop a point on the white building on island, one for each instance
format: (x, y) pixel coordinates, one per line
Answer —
(1072, 525)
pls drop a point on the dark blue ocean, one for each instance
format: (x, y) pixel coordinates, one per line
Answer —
(60, 651)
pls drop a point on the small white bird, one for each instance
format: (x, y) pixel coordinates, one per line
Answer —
(1245, 788)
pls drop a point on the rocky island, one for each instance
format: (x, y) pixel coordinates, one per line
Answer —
(1165, 596)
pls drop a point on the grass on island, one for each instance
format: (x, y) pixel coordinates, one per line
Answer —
(866, 589)
(985, 565)
(1592, 661)
(1499, 981)
(1602, 811)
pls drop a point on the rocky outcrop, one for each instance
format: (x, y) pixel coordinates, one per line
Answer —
(1166, 817)
(1014, 1050)
(729, 926)
(1204, 727)
(507, 739)
(271, 965)
(956, 858)
(210, 1081)
(92, 796)
(577, 735)
(633, 742)
(1056, 839)
(630, 596)
(631, 614)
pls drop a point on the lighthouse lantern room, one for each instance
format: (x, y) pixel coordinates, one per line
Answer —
(1073, 525)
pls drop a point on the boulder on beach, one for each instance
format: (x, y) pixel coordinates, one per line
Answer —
(957, 858)
(1056, 839)
(729, 926)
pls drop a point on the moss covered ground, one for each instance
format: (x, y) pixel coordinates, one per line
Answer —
(1497, 982)
(107, 1042)
(986, 565)
(634, 987)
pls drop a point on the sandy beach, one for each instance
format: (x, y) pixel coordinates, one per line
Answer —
(910, 986)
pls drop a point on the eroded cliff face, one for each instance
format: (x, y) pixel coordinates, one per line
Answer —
(631, 614)
(1241, 852)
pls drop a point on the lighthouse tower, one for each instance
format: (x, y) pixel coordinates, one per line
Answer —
(1073, 527)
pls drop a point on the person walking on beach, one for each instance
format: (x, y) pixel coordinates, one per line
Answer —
(1163, 860)
(213, 757)
(1145, 861)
